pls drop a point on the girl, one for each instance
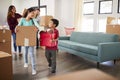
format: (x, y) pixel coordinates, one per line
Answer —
(28, 21)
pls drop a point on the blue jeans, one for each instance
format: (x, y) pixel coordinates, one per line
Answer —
(14, 43)
(30, 50)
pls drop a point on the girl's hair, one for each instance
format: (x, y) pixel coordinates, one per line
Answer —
(10, 13)
(28, 11)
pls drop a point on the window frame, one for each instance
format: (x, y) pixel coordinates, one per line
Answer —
(100, 7)
(118, 6)
(87, 3)
(44, 6)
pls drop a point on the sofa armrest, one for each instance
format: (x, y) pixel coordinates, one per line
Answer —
(109, 51)
(64, 38)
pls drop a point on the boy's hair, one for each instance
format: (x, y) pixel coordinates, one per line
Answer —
(55, 21)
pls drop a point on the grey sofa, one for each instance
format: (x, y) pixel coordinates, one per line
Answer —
(99, 47)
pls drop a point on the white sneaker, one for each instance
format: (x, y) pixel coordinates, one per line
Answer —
(34, 72)
(26, 65)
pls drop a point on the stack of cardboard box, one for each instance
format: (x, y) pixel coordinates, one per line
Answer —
(5, 41)
(6, 72)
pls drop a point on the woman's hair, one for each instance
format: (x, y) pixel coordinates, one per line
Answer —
(10, 13)
(28, 11)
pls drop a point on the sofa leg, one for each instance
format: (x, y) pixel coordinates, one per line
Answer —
(114, 61)
(98, 64)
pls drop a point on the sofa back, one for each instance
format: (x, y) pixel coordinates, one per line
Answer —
(93, 38)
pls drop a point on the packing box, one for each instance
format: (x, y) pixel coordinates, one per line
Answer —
(6, 72)
(6, 47)
(44, 20)
(26, 36)
(45, 39)
(5, 35)
(5, 41)
(115, 29)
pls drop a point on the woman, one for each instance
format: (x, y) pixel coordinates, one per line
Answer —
(12, 19)
(28, 21)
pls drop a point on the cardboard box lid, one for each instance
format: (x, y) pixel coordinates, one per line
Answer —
(26, 36)
(5, 35)
(44, 20)
(4, 54)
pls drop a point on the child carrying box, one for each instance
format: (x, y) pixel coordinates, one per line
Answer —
(52, 44)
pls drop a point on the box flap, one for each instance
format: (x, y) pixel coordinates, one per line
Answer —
(5, 36)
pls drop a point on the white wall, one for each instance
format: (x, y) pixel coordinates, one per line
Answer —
(4, 4)
(60, 9)
(50, 6)
(64, 11)
(22, 4)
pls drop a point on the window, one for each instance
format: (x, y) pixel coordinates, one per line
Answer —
(88, 8)
(105, 6)
(87, 25)
(43, 10)
(102, 25)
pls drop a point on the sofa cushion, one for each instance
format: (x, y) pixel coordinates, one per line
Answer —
(88, 49)
(85, 48)
(93, 38)
(64, 43)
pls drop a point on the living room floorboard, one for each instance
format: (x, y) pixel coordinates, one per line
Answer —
(65, 63)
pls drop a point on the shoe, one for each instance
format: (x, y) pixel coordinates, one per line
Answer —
(34, 72)
(20, 54)
(37, 47)
(15, 56)
(53, 71)
(26, 65)
(49, 66)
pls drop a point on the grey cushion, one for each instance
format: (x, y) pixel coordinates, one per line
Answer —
(64, 43)
(88, 49)
(85, 48)
(93, 38)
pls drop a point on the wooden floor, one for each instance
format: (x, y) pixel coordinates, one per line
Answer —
(66, 63)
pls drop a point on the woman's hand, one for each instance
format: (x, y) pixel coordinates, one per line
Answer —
(16, 29)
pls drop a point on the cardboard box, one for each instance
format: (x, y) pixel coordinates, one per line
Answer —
(114, 29)
(6, 72)
(45, 39)
(5, 41)
(6, 47)
(44, 20)
(5, 35)
(26, 36)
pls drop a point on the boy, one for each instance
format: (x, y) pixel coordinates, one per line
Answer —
(50, 51)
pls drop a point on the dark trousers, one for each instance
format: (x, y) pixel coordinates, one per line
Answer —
(51, 58)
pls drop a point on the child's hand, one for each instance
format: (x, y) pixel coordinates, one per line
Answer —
(36, 29)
